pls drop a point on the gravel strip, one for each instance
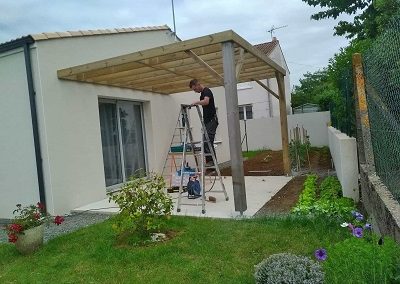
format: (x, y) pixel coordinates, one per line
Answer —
(72, 223)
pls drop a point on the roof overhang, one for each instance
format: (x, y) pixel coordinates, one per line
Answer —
(168, 69)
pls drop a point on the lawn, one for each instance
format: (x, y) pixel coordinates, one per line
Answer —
(252, 153)
(203, 251)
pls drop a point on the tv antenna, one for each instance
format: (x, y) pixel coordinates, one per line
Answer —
(273, 28)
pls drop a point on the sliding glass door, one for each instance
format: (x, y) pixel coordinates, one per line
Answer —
(122, 138)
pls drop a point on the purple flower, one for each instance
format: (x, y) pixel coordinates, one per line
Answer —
(368, 226)
(359, 216)
(358, 232)
(321, 254)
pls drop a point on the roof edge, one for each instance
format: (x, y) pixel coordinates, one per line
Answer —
(16, 43)
(95, 32)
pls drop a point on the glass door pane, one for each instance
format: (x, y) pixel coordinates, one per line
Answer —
(110, 143)
(130, 115)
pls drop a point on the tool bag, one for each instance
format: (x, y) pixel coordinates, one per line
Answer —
(193, 188)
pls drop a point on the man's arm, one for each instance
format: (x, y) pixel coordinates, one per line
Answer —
(202, 102)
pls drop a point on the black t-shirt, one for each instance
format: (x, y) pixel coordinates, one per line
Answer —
(209, 110)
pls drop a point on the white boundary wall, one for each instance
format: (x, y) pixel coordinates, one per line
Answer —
(344, 154)
(265, 133)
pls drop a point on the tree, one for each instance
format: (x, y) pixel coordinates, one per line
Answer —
(316, 88)
(371, 16)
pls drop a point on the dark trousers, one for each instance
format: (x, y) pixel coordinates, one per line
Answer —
(211, 128)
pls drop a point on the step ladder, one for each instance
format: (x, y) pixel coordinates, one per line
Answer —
(181, 148)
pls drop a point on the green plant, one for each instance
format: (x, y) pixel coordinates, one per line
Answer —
(357, 260)
(330, 188)
(298, 153)
(330, 202)
(26, 218)
(144, 205)
(288, 268)
(308, 195)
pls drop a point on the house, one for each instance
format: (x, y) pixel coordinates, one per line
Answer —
(254, 100)
(68, 134)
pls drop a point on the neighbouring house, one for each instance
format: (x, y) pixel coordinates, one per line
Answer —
(68, 142)
(255, 101)
(306, 108)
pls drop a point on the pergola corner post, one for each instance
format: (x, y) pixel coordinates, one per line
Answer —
(284, 125)
(235, 147)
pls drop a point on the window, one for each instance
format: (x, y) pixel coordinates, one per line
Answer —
(122, 140)
(245, 112)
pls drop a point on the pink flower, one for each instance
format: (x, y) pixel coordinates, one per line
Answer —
(37, 216)
(40, 206)
(12, 238)
(17, 228)
(58, 220)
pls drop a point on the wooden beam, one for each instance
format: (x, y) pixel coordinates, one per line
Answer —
(202, 63)
(362, 110)
(239, 64)
(267, 88)
(257, 53)
(235, 147)
(149, 53)
(284, 125)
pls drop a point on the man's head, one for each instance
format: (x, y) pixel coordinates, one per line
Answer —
(196, 86)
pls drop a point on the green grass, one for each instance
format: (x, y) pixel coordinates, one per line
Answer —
(204, 251)
(253, 153)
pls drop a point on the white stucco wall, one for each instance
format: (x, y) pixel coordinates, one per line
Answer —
(69, 115)
(265, 105)
(344, 154)
(265, 133)
(18, 175)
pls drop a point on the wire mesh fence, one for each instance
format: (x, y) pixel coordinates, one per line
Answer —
(343, 111)
(382, 78)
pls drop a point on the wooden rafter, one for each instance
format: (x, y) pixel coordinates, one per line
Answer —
(267, 88)
(239, 63)
(202, 63)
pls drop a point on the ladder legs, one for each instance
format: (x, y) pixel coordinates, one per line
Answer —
(188, 147)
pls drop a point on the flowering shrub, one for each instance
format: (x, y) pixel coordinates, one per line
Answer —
(288, 268)
(364, 255)
(144, 205)
(358, 260)
(28, 217)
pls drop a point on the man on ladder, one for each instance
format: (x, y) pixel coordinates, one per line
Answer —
(209, 116)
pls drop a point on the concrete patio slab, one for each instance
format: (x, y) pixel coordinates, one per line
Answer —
(259, 189)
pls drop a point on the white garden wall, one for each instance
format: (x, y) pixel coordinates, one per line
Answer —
(344, 154)
(265, 133)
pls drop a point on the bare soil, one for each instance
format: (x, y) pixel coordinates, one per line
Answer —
(270, 163)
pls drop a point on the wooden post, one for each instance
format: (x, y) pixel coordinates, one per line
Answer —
(367, 153)
(284, 124)
(232, 109)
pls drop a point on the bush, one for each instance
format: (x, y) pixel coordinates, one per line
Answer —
(357, 260)
(288, 268)
(144, 205)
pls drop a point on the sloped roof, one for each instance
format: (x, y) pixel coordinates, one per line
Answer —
(53, 35)
(267, 47)
(81, 33)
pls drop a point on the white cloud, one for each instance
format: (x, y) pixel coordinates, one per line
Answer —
(306, 44)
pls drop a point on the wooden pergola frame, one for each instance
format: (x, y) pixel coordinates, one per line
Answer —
(221, 59)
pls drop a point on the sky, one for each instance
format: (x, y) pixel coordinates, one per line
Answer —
(307, 44)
